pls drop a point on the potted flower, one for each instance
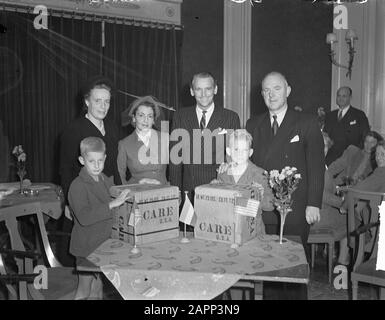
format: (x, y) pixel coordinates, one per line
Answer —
(21, 158)
(283, 184)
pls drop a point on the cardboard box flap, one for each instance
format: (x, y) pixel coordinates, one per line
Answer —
(230, 190)
(144, 193)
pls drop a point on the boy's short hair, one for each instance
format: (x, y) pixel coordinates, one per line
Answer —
(92, 144)
(241, 134)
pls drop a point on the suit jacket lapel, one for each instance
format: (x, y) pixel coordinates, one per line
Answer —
(263, 143)
(215, 119)
(284, 132)
(190, 118)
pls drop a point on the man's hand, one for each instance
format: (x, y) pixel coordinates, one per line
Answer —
(312, 214)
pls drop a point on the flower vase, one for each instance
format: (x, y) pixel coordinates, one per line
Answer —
(283, 213)
(21, 177)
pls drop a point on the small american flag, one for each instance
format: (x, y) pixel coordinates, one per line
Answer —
(246, 206)
(133, 215)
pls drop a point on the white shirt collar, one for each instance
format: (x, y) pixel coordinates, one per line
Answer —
(209, 113)
(96, 124)
(280, 115)
(144, 137)
(344, 110)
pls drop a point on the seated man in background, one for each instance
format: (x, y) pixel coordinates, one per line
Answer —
(356, 164)
(331, 218)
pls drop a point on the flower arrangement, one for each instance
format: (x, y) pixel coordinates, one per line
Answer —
(21, 158)
(283, 184)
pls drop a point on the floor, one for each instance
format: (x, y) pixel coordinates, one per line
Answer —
(320, 289)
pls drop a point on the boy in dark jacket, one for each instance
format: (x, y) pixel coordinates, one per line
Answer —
(91, 204)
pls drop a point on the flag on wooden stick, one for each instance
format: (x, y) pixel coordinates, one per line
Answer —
(188, 215)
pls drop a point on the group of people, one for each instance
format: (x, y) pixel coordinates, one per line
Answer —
(354, 156)
(278, 138)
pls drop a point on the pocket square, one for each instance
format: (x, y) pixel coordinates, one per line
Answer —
(295, 139)
(222, 131)
(353, 122)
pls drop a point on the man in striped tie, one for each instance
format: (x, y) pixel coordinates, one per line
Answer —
(205, 117)
(297, 142)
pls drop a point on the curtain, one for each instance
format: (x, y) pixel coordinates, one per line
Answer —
(43, 71)
(142, 61)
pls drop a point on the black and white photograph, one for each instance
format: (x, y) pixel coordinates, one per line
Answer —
(191, 156)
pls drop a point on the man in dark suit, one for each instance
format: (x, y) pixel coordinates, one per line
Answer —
(346, 126)
(284, 137)
(206, 124)
(297, 143)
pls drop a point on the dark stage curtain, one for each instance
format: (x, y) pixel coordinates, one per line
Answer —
(142, 61)
(42, 72)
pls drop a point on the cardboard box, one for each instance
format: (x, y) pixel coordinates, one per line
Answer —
(216, 221)
(157, 214)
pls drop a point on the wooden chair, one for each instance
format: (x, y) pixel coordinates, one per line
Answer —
(62, 281)
(364, 270)
(326, 236)
(322, 236)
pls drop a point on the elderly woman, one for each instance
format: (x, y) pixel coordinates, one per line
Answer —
(145, 152)
(355, 163)
(97, 96)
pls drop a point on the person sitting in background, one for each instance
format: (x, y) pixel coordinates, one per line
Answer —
(330, 215)
(356, 164)
(91, 204)
(243, 172)
(144, 152)
(373, 183)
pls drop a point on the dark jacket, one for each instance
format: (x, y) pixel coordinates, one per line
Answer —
(71, 137)
(188, 175)
(352, 129)
(89, 202)
(306, 153)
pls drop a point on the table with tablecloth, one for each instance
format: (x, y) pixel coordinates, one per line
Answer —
(49, 195)
(198, 270)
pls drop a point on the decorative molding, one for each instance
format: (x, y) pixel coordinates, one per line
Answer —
(237, 58)
(378, 97)
(168, 12)
(356, 22)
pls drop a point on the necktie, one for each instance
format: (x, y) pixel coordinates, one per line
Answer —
(275, 125)
(340, 115)
(203, 120)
